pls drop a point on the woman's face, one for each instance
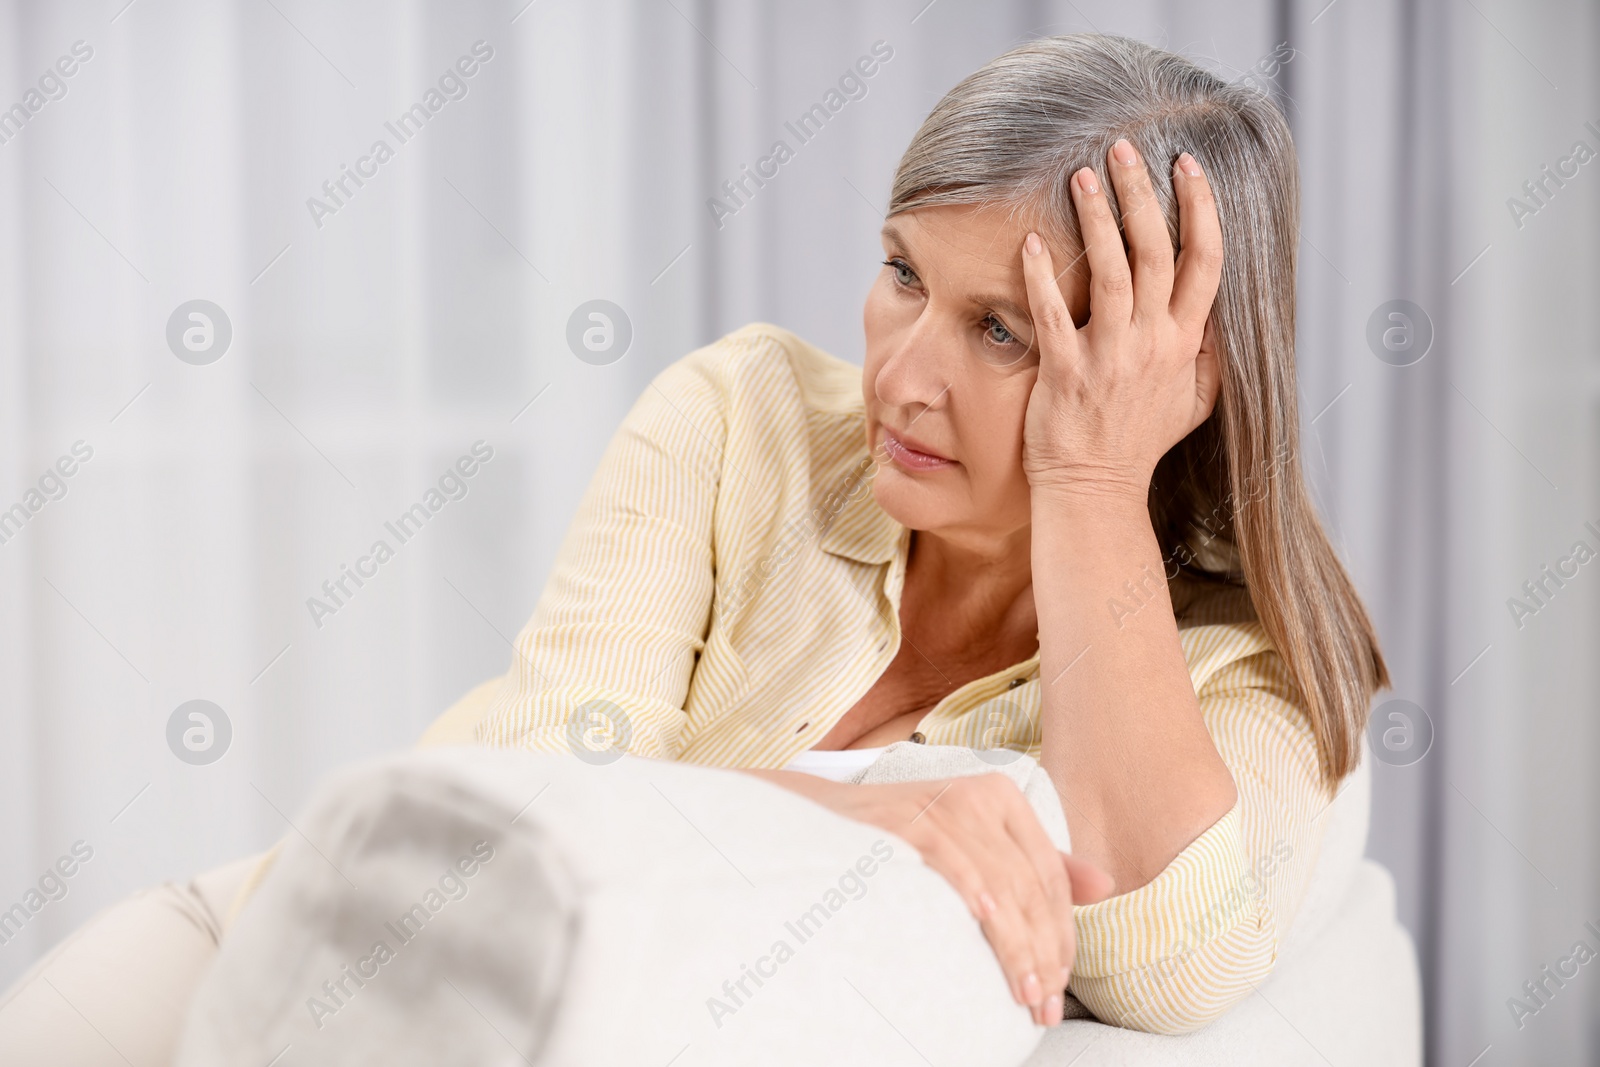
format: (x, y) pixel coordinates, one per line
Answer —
(949, 365)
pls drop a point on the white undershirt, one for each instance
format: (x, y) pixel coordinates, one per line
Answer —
(835, 765)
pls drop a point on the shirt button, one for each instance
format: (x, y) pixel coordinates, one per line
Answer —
(918, 738)
(1016, 682)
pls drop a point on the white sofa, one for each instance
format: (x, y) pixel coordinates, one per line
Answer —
(658, 887)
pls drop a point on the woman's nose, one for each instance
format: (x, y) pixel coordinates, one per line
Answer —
(915, 376)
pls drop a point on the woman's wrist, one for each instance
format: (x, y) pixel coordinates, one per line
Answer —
(1102, 528)
(1060, 497)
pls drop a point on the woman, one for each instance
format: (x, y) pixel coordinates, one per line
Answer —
(1058, 510)
(1086, 537)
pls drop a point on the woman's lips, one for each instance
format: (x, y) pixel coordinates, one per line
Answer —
(910, 458)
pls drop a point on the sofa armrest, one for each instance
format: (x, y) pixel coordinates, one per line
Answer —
(614, 914)
(1351, 995)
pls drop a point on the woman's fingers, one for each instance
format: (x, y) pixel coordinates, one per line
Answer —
(946, 856)
(969, 838)
(1149, 244)
(981, 836)
(1035, 909)
(1090, 884)
(1052, 875)
(1054, 331)
(1009, 924)
(953, 832)
(1045, 976)
(1110, 279)
(1029, 945)
(1199, 267)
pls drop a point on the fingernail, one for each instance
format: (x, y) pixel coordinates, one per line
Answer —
(1066, 975)
(1190, 167)
(1052, 1009)
(1086, 181)
(1122, 151)
(1031, 244)
(986, 902)
(1031, 990)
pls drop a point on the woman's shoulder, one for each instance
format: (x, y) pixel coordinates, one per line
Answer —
(1238, 671)
(745, 362)
(1221, 632)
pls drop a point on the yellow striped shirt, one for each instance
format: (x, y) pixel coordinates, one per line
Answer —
(729, 588)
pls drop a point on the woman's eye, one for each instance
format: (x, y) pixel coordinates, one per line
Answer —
(903, 274)
(998, 333)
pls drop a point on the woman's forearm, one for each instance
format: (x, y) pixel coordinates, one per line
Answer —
(1123, 738)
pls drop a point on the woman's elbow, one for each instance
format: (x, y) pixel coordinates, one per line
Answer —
(1188, 991)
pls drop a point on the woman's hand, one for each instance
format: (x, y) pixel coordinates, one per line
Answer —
(982, 835)
(1113, 397)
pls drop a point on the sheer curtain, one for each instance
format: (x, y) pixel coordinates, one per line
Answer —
(1453, 473)
(389, 311)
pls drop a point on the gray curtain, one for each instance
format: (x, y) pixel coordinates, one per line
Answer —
(383, 328)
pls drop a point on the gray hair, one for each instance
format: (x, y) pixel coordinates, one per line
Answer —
(1015, 130)
(1013, 133)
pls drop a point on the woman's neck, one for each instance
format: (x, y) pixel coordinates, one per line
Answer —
(971, 596)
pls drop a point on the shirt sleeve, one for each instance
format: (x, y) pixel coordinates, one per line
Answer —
(1179, 951)
(606, 660)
